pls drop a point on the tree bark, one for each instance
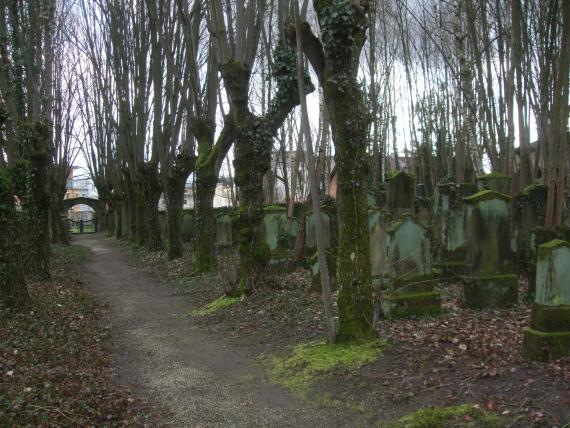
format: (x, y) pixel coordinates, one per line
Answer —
(336, 60)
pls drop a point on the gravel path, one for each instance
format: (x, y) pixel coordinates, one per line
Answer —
(200, 378)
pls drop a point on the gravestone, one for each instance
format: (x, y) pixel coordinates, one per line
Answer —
(401, 194)
(549, 334)
(495, 181)
(377, 226)
(188, 231)
(488, 231)
(277, 237)
(224, 230)
(448, 228)
(529, 213)
(410, 279)
(328, 216)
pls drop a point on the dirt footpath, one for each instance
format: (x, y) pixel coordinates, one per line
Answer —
(199, 378)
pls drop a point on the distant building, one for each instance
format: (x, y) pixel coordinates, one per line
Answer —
(80, 185)
(222, 197)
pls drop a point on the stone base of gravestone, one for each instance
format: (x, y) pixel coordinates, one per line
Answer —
(451, 270)
(397, 305)
(316, 271)
(487, 291)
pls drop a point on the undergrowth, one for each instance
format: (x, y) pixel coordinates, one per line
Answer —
(55, 365)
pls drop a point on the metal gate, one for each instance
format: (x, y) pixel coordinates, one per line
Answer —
(83, 226)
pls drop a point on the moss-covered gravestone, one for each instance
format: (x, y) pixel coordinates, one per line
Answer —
(188, 225)
(275, 233)
(495, 181)
(488, 229)
(538, 236)
(410, 280)
(401, 194)
(328, 216)
(377, 226)
(311, 236)
(448, 228)
(529, 213)
(224, 230)
(549, 334)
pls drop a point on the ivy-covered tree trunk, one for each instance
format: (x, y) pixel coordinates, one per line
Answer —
(252, 159)
(13, 291)
(335, 58)
(206, 181)
(36, 202)
(252, 151)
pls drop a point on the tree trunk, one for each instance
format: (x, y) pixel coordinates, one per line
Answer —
(343, 26)
(174, 193)
(205, 220)
(118, 218)
(37, 210)
(13, 291)
(152, 194)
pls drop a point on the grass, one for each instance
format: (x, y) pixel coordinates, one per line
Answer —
(216, 305)
(464, 415)
(308, 362)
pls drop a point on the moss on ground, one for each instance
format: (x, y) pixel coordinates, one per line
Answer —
(308, 362)
(214, 306)
(442, 417)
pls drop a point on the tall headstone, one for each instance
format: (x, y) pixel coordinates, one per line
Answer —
(401, 194)
(529, 213)
(448, 228)
(330, 229)
(224, 230)
(488, 229)
(377, 225)
(411, 282)
(549, 334)
(277, 236)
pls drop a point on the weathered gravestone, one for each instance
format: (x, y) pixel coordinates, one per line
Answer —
(401, 194)
(539, 236)
(378, 221)
(488, 226)
(276, 235)
(448, 228)
(495, 181)
(224, 230)
(411, 282)
(549, 334)
(529, 213)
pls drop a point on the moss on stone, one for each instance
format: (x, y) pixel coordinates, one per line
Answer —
(550, 319)
(487, 291)
(309, 362)
(492, 176)
(395, 305)
(275, 207)
(485, 195)
(543, 346)
(465, 415)
(214, 306)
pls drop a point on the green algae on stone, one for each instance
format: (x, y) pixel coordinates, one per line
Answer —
(214, 306)
(308, 362)
(464, 415)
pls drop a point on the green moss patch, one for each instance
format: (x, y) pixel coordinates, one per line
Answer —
(484, 195)
(216, 305)
(465, 415)
(310, 361)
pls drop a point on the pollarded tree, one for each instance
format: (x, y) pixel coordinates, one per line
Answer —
(236, 40)
(335, 59)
